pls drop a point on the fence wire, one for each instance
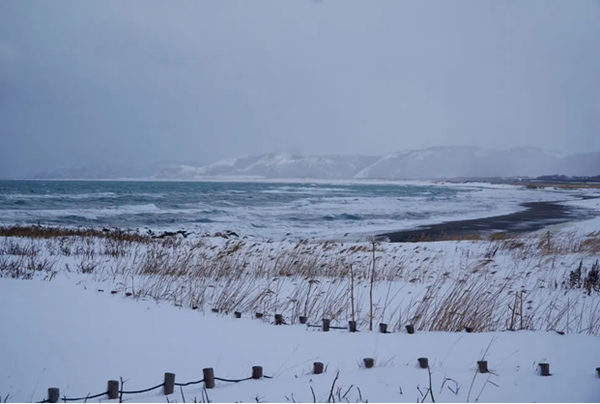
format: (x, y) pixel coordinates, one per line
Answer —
(123, 392)
(142, 391)
(65, 399)
(233, 380)
(189, 383)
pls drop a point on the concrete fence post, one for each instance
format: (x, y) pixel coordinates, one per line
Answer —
(423, 363)
(113, 389)
(257, 372)
(53, 394)
(318, 368)
(169, 386)
(278, 319)
(209, 378)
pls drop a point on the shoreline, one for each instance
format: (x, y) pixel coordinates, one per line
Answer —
(536, 216)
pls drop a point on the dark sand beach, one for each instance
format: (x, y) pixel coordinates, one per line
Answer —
(536, 216)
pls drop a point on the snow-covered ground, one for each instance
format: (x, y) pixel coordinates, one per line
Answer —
(58, 334)
(59, 330)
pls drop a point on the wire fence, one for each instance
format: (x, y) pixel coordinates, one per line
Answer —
(115, 388)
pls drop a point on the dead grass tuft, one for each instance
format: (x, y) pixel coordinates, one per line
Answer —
(45, 232)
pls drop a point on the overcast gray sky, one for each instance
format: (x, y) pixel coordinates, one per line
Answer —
(141, 81)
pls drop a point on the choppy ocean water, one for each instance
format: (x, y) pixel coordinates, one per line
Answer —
(260, 209)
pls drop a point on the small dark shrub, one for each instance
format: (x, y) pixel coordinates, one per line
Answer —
(592, 280)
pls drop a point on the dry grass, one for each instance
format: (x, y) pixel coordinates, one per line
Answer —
(46, 232)
(592, 243)
(511, 282)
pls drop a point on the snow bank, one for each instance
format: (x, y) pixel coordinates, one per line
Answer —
(61, 334)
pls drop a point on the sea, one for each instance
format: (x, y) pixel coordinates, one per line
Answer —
(265, 210)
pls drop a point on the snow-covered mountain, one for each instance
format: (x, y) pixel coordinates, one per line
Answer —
(277, 166)
(453, 162)
(434, 162)
(431, 163)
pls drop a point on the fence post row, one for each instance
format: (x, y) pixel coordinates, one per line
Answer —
(113, 387)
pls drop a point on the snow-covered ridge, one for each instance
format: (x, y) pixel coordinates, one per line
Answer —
(430, 163)
(276, 166)
(456, 162)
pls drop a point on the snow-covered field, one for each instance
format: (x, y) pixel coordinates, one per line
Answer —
(60, 330)
(60, 334)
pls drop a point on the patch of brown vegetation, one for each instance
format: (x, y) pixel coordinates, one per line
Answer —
(448, 237)
(592, 243)
(570, 185)
(42, 232)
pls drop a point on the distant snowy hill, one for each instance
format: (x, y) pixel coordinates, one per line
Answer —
(431, 163)
(277, 166)
(106, 171)
(453, 162)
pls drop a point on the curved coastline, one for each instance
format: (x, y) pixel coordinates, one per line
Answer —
(536, 216)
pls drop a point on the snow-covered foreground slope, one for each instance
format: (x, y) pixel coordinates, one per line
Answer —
(61, 334)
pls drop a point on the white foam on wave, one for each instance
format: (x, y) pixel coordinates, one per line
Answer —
(90, 214)
(317, 215)
(61, 196)
(305, 190)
